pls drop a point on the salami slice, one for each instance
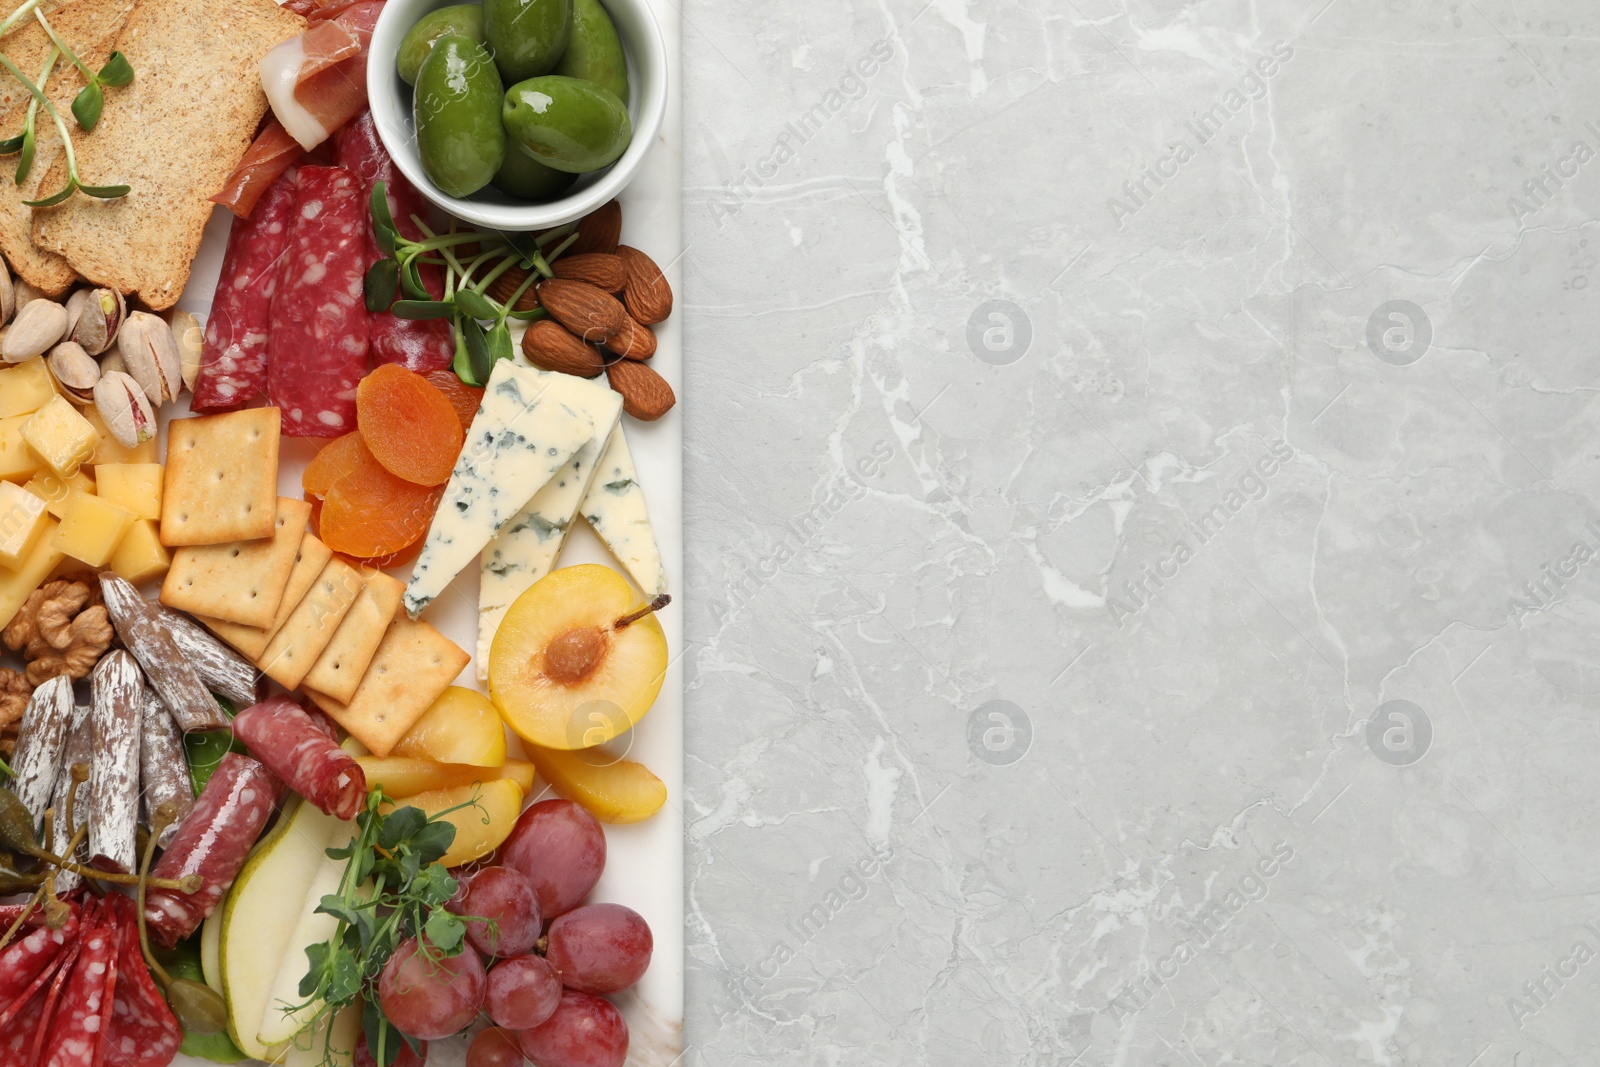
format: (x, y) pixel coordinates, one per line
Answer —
(144, 1032)
(417, 345)
(40, 739)
(317, 340)
(24, 1033)
(280, 734)
(233, 361)
(220, 668)
(163, 768)
(82, 1015)
(79, 748)
(212, 841)
(151, 643)
(30, 962)
(117, 712)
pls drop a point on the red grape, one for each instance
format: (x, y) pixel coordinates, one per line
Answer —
(430, 998)
(494, 1048)
(406, 1058)
(505, 896)
(585, 1031)
(562, 850)
(523, 992)
(600, 948)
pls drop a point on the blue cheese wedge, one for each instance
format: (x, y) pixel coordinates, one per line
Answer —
(614, 506)
(525, 432)
(526, 547)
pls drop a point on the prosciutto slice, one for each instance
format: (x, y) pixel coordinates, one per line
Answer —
(271, 154)
(316, 82)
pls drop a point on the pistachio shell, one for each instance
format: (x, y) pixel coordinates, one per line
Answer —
(75, 370)
(35, 330)
(125, 409)
(151, 354)
(190, 335)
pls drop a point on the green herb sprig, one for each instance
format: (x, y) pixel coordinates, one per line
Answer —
(392, 889)
(465, 300)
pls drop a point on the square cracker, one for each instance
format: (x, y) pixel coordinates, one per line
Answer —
(241, 582)
(413, 665)
(312, 624)
(221, 479)
(338, 671)
(309, 560)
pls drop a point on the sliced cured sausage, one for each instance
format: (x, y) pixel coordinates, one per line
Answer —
(117, 712)
(317, 341)
(79, 748)
(80, 1018)
(233, 360)
(223, 670)
(143, 1031)
(296, 748)
(151, 643)
(163, 768)
(40, 739)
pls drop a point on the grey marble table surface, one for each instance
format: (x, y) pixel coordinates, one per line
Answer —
(1143, 537)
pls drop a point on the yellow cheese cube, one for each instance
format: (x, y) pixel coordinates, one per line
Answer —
(141, 557)
(55, 490)
(135, 486)
(18, 462)
(21, 522)
(109, 450)
(25, 388)
(62, 438)
(92, 528)
(16, 586)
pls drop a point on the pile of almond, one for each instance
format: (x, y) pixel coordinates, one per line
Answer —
(601, 304)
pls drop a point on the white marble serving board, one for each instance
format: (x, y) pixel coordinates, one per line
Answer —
(644, 866)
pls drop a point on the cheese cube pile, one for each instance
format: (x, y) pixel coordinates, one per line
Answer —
(60, 436)
(22, 520)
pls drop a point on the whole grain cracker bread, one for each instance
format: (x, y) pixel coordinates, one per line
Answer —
(297, 644)
(252, 640)
(221, 479)
(413, 665)
(89, 26)
(339, 669)
(173, 135)
(241, 582)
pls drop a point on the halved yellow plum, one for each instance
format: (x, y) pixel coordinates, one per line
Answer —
(406, 776)
(462, 726)
(578, 659)
(614, 790)
(479, 829)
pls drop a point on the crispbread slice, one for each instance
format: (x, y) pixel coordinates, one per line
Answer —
(252, 640)
(312, 624)
(173, 135)
(221, 479)
(413, 665)
(241, 582)
(339, 669)
(89, 26)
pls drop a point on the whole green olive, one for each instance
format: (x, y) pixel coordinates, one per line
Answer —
(567, 123)
(198, 1007)
(459, 134)
(463, 20)
(522, 175)
(526, 37)
(594, 51)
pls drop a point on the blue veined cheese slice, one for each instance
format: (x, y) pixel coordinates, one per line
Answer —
(524, 433)
(614, 506)
(526, 547)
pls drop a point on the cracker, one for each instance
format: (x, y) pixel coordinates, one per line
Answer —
(222, 478)
(241, 582)
(413, 665)
(312, 624)
(312, 556)
(338, 671)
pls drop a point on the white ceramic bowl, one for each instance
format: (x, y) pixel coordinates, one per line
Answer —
(647, 92)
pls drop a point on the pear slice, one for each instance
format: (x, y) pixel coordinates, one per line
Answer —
(338, 1042)
(211, 950)
(279, 1026)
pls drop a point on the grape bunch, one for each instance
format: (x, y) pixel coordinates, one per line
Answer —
(539, 961)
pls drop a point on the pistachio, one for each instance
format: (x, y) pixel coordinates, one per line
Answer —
(124, 409)
(151, 354)
(112, 361)
(8, 295)
(102, 314)
(186, 330)
(75, 370)
(36, 329)
(26, 294)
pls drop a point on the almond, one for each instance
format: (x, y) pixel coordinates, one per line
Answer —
(587, 310)
(645, 394)
(599, 269)
(647, 294)
(599, 231)
(509, 282)
(633, 340)
(549, 346)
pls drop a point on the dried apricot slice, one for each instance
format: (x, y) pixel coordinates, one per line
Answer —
(463, 397)
(369, 512)
(410, 426)
(336, 459)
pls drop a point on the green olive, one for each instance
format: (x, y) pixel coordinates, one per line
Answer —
(526, 37)
(463, 20)
(198, 1007)
(567, 123)
(459, 135)
(522, 175)
(594, 51)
